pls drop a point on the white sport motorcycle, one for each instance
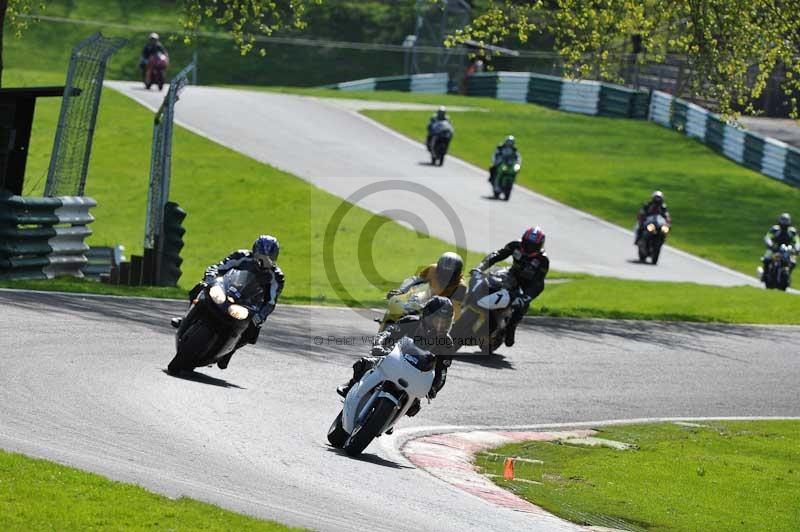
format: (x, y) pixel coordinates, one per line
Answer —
(382, 396)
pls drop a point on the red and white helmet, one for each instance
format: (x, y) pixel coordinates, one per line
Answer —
(533, 241)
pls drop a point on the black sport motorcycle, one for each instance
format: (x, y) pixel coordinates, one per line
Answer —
(653, 234)
(216, 321)
(441, 136)
(779, 268)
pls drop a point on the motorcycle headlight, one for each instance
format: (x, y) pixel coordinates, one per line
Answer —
(665, 229)
(516, 168)
(651, 228)
(238, 312)
(217, 294)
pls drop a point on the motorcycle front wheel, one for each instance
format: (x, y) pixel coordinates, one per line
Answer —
(336, 434)
(363, 435)
(195, 341)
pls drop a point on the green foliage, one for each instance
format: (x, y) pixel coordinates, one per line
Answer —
(713, 476)
(722, 40)
(42, 495)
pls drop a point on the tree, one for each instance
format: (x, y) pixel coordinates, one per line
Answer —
(243, 19)
(731, 47)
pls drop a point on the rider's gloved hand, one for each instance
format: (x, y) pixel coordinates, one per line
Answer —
(519, 303)
(432, 393)
(393, 292)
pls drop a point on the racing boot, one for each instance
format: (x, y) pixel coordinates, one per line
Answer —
(223, 362)
(510, 330)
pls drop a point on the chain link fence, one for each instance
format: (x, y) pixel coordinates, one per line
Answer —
(161, 159)
(73, 143)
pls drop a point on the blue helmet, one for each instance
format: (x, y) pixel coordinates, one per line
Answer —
(265, 251)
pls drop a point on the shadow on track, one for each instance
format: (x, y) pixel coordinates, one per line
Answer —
(682, 335)
(202, 378)
(368, 458)
(494, 361)
(640, 263)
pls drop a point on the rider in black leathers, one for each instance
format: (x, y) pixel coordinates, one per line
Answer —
(440, 116)
(153, 46)
(261, 261)
(529, 268)
(656, 205)
(782, 233)
(506, 149)
(430, 331)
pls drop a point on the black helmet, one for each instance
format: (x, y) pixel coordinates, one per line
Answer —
(437, 316)
(658, 197)
(510, 141)
(784, 220)
(441, 114)
(265, 251)
(448, 268)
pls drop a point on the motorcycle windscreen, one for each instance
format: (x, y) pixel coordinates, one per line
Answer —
(244, 287)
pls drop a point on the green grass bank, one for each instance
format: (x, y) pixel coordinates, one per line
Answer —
(40, 495)
(715, 476)
(609, 167)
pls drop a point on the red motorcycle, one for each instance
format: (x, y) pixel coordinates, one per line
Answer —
(154, 70)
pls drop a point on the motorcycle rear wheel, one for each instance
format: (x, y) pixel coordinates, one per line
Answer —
(363, 436)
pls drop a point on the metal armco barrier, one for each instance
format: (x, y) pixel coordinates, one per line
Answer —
(430, 83)
(587, 97)
(42, 238)
(765, 155)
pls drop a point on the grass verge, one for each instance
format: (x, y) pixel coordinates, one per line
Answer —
(608, 167)
(41, 495)
(716, 476)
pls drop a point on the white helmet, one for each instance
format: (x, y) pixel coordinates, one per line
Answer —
(153, 36)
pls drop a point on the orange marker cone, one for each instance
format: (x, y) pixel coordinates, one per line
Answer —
(508, 469)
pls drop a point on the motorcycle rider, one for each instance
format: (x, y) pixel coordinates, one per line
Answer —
(783, 233)
(504, 150)
(529, 267)
(428, 333)
(656, 205)
(152, 47)
(444, 277)
(440, 116)
(262, 261)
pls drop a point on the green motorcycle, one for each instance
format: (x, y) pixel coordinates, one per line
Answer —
(504, 177)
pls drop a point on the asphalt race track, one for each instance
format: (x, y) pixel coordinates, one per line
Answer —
(83, 383)
(327, 143)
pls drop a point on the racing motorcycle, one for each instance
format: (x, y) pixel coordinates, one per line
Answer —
(382, 396)
(441, 135)
(504, 177)
(154, 70)
(652, 237)
(486, 310)
(216, 320)
(408, 303)
(779, 268)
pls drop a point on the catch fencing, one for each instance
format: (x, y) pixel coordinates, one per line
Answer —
(72, 147)
(766, 155)
(160, 176)
(43, 238)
